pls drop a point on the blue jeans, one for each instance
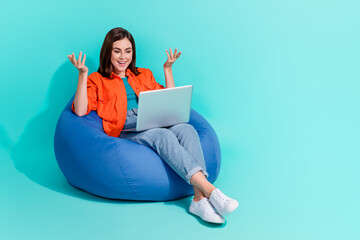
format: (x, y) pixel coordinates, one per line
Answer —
(179, 145)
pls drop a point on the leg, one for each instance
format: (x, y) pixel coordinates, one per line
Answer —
(199, 181)
(198, 194)
(167, 145)
(189, 139)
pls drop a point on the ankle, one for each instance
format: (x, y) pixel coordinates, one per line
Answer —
(209, 191)
(198, 198)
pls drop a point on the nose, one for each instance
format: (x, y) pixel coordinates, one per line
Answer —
(121, 55)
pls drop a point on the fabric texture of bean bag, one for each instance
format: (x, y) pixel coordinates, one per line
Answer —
(117, 168)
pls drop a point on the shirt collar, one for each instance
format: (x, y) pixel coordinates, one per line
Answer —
(127, 74)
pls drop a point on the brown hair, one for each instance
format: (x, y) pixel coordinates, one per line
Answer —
(115, 34)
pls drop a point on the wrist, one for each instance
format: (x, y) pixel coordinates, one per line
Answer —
(166, 68)
(82, 77)
(83, 74)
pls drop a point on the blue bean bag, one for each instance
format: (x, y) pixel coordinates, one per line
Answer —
(117, 168)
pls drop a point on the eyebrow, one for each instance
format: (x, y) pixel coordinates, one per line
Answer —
(120, 49)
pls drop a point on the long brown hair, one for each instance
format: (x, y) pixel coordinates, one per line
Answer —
(115, 34)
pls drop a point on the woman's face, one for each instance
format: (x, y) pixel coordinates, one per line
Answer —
(121, 56)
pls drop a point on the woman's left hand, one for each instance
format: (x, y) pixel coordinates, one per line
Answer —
(171, 58)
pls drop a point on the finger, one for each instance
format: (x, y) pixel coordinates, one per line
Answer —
(171, 53)
(175, 52)
(178, 55)
(72, 57)
(79, 59)
(167, 54)
(83, 61)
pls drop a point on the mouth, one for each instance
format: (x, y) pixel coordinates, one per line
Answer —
(121, 63)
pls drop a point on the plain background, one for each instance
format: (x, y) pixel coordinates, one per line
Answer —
(278, 80)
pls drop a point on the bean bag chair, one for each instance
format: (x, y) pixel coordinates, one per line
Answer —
(117, 168)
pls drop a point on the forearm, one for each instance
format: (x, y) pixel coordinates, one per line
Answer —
(169, 79)
(81, 100)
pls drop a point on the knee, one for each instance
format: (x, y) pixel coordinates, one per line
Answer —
(162, 134)
(185, 127)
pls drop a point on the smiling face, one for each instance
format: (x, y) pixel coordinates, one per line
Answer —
(121, 56)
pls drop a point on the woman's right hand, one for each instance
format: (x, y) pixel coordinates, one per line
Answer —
(79, 64)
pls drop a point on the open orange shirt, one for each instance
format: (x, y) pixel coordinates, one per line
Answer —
(108, 97)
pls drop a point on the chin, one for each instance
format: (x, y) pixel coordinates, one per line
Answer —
(121, 69)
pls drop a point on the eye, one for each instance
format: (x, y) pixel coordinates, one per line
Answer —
(128, 52)
(116, 51)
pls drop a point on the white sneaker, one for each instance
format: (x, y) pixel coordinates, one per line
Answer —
(206, 211)
(222, 203)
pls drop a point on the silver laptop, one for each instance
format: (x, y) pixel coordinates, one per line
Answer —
(164, 107)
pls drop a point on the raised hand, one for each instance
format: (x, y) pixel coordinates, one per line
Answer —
(79, 64)
(171, 58)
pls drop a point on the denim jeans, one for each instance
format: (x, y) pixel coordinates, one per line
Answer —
(179, 145)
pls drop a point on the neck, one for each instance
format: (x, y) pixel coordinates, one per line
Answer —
(121, 74)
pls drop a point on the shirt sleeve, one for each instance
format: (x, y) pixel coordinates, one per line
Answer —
(92, 95)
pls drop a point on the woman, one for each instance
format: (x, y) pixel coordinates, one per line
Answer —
(112, 91)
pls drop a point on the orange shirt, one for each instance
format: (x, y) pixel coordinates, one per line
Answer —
(107, 96)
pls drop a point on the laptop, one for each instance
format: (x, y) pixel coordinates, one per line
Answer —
(163, 107)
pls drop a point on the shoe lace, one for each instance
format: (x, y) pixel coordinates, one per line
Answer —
(223, 198)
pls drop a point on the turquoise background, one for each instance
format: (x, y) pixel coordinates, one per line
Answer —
(278, 80)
